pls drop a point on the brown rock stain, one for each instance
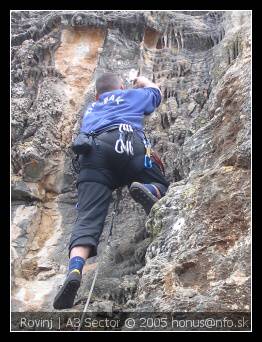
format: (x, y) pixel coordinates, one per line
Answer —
(169, 282)
(225, 211)
(46, 227)
(43, 231)
(151, 38)
(76, 60)
(89, 267)
(29, 268)
(231, 99)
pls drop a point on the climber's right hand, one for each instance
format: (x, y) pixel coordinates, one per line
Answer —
(142, 81)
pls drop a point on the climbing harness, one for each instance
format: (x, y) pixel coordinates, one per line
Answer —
(108, 243)
(83, 142)
(124, 142)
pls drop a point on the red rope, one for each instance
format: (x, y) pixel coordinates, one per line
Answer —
(157, 160)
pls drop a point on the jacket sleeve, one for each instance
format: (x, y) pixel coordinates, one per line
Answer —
(152, 99)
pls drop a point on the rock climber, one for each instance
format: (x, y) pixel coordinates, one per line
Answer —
(117, 158)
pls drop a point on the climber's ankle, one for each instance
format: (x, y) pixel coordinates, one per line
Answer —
(76, 264)
(78, 256)
(81, 251)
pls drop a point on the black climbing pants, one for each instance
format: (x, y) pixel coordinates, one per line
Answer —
(102, 171)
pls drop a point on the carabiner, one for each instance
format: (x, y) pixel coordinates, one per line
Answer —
(147, 162)
(119, 149)
(131, 150)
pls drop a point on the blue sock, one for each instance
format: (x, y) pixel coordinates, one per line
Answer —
(152, 189)
(76, 263)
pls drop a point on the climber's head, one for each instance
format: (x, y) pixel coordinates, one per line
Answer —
(108, 82)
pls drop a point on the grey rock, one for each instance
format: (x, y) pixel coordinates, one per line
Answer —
(192, 253)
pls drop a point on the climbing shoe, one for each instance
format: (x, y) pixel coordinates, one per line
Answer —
(66, 295)
(145, 194)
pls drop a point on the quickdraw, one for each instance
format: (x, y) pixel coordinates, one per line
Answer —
(147, 159)
(124, 143)
(152, 156)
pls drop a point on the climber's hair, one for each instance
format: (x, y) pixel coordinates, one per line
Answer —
(107, 82)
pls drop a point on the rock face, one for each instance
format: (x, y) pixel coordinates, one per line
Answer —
(192, 253)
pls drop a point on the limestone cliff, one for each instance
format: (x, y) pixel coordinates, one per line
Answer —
(192, 253)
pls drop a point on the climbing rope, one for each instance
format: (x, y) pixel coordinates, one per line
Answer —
(114, 213)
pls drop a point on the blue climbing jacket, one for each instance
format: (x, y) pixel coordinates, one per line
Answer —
(121, 106)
